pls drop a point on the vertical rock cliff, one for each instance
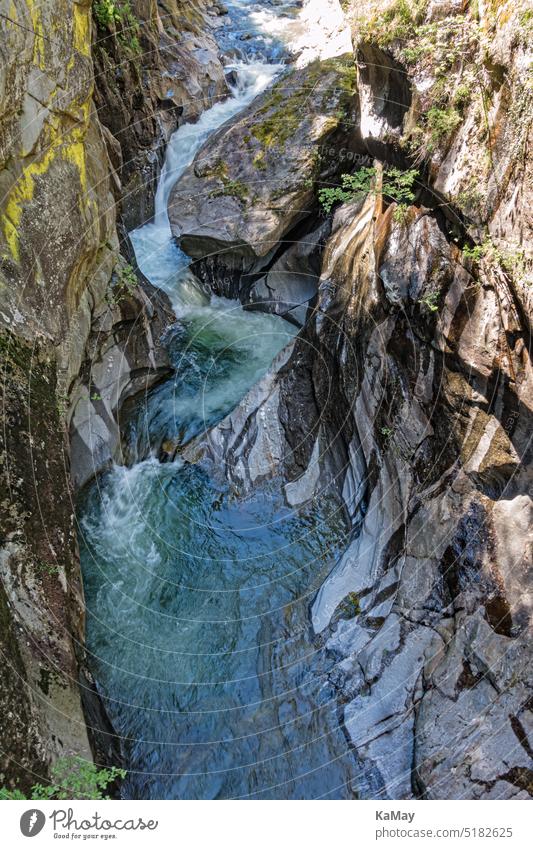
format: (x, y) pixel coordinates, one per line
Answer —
(85, 111)
(59, 247)
(381, 201)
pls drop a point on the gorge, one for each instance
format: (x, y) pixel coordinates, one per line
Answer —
(265, 298)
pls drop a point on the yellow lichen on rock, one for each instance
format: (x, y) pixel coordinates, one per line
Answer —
(39, 55)
(70, 147)
(81, 31)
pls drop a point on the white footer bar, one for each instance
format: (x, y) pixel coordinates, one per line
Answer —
(268, 824)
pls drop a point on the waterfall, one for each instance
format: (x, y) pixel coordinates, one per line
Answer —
(158, 257)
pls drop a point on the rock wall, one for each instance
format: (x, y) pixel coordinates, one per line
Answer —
(156, 67)
(59, 246)
(407, 390)
(78, 334)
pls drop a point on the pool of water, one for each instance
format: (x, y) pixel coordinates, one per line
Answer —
(198, 628)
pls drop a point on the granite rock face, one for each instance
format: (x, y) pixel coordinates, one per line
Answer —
(253, 181)
(77, 336)
(124, 356)
(407, 391)
(59, 246)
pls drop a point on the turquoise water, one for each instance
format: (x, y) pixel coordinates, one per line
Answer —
(198, 625)
(218, 351)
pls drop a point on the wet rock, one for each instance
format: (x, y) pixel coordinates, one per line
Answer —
(167, 73)
(124, 356)
(291, 284)
(59, 249)
(253, 180)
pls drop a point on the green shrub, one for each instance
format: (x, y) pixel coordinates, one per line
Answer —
(472, 199)
(71, 778)
(107, 13)
(475, 253)
(442, 122)
(397, 185)
(350, 607)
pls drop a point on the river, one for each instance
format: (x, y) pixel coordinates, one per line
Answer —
(198, 598)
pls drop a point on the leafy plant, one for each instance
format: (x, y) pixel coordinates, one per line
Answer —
(118, 16)
(411, 55)
(6, 794)
(62, 401)
(511, 260)
(401, 214)
(259, 161)
(127, 278)
(125, 284)
(474, 253)
(352, 186)
(397, 185)
(105, 13)
(442, 122)
(450, 52)
(462, 95)
(430, 301)
(72, 778)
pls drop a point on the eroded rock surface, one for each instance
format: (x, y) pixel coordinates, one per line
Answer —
(58, 308)
(124, 357)
(154, 71)
(408, 390)
(253, 181)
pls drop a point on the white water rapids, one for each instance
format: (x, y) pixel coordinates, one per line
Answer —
(158, 257)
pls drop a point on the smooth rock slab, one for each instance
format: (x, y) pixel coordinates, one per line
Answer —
(253, 181)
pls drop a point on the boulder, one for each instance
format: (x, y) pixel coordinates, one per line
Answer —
(291, 284)
(254, 180)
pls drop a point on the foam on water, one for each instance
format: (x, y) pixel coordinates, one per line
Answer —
(158, 257)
